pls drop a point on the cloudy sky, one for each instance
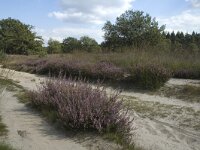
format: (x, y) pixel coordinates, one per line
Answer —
(59, 19)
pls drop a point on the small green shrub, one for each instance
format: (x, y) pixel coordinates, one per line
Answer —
(149, 76)
(2, 55)
(42, 53)
(4, 146)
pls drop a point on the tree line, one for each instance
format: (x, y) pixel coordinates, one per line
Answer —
(70, 44)
(132, 30)
(183, 42)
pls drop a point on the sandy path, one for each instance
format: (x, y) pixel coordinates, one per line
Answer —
(38, 135)
(150, 134)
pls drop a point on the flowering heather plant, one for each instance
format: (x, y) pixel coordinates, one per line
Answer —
(150, 76)
(107, 70)
(57, 66)
(30, 65)
(64, 67)
(82, 106)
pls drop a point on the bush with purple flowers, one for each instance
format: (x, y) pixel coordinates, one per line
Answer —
(81, 106)
(107, 70)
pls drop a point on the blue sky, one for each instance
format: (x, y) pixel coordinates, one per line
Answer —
(59, 19)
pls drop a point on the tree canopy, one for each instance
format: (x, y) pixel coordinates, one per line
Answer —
(54, 46)
(70, 44)
(184, 41)
(89, 44)
(132, 28)
(85, 43)
(18, 38)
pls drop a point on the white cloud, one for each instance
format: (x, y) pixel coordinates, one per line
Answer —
(85, 18)
(187, 21)
(195, 3)
(90, 11)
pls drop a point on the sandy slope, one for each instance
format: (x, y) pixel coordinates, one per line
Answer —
(150, 133)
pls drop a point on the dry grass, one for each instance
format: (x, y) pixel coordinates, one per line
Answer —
(183, 65)
(187, 93)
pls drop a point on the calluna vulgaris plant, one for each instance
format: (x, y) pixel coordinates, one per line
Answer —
(80, 106)
(56, 66)
(150, 76)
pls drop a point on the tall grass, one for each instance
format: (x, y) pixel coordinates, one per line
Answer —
(114, 66)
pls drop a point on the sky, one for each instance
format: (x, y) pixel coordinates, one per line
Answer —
(59, 19)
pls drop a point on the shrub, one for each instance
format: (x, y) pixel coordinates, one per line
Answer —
(149, 76)
(187, 73)
(106, 70)
(81, 106)
(2, 55)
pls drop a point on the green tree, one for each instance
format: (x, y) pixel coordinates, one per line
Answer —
(54, 46)
(133, 28)
(192, 47)
(89, 44)
(70, 44)
(18, 38)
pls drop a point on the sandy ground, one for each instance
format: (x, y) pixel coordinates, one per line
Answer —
(28, 131)
(162, 126)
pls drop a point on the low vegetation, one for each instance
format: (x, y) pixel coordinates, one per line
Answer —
(181, 116)
(80, 106)
(142, 75)
(150, 76)
(4, 146)
(187, 93)
(150, 70)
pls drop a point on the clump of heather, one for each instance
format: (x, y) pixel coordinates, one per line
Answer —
(57, 66)
(81, 106)
(150, 76)
(107, 70)
(187, 73)
(30, 65)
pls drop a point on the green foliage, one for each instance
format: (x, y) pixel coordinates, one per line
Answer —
(133, 28)
(42, 53)
(88, 44)
(84, 44)
(18, 38)
(193, 47)
(150, 76)
(54, 47)
(70, 44)
(2, 55)
(3, 128)
(184, 42)
(4, 146)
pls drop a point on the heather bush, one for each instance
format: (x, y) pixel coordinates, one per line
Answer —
(57, 66)
(107, 70)
(80, 106)
(65, 67)
(187, 73)
(149, 76)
